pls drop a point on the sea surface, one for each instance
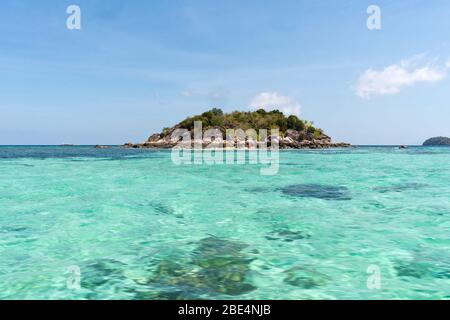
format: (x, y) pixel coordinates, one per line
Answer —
(359, 223)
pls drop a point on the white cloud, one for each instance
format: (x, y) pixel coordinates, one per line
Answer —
(394, 78)
(272, 100)
(447, 65)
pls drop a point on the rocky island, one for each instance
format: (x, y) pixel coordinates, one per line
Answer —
(437, 141)
(294, 133)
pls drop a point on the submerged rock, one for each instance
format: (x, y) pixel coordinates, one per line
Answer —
(412, 269)
(218, 266)
(162, 208)
(319, 191)
(213, 247)
(287, 235)
(100, 272)
(224, 266)
(418, 269)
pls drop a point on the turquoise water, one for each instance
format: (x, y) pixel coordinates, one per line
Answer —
(139, 227)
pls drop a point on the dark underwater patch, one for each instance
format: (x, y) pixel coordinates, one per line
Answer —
(287, 235)
(218, 266)
(418, 269)
(99, 272)
(162, 208)
(320, 191)
(414, 270)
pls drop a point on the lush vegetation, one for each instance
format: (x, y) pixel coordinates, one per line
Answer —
(260, 119)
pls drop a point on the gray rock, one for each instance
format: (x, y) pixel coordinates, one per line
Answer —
(437, 141)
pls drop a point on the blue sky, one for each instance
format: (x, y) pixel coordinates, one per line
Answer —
(137, 66)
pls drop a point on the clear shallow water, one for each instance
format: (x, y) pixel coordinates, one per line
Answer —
(139, 227)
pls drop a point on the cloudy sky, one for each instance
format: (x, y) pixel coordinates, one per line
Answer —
(137, 66)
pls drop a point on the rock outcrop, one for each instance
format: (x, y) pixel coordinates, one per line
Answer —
(284, 142)
(437, 141)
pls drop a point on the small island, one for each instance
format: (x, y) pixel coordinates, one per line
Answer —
(437, 141)
(294, 133)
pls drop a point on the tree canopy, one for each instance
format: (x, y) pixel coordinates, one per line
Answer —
(259, 119)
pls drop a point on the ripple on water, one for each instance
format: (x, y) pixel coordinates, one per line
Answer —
(259, 189)
(13, 229)
(320, 191)
(399, 187)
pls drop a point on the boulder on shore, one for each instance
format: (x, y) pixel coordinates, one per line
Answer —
(291, 140)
